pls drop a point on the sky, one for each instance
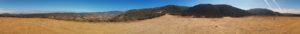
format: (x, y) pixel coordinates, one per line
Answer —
(23, 6)
(89, 5)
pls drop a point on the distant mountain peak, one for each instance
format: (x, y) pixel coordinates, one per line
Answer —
(218, 10)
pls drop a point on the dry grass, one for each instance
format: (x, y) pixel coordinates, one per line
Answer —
(163, 25)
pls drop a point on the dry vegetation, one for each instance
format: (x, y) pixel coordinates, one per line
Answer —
(167, 24)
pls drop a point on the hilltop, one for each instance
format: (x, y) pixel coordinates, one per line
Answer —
(167, 24)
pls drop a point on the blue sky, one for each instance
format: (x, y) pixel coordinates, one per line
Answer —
(90, 5)
(123, 5)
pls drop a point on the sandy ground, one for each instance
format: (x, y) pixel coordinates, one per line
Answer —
(163, 25)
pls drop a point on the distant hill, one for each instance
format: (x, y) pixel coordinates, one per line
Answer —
(91, 17)
(265, 12)
(206, 10)
(289, 14)
(148, 13)
(209, 10)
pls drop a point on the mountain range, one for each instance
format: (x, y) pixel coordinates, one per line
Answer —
(90, 16)
(200, 10)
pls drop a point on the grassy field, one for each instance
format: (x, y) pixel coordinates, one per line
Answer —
(167, 24)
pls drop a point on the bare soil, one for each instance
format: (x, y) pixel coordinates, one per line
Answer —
(167, 24)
